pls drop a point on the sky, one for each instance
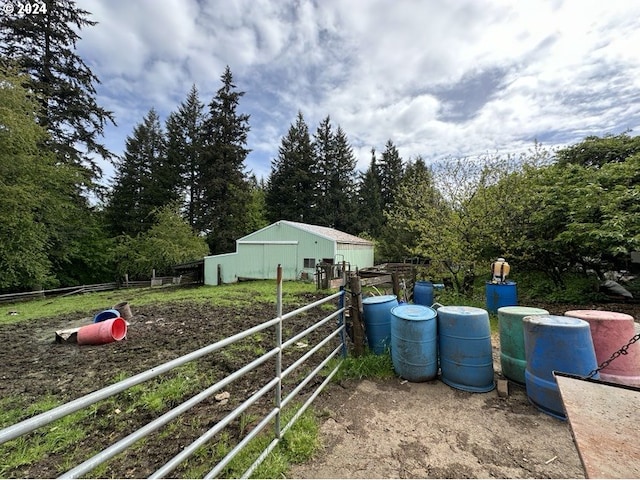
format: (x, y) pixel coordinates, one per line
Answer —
(440, 78)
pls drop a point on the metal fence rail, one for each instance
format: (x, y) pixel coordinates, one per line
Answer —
(274, 384)
(97, 287)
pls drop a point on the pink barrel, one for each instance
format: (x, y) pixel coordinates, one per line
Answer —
(610, 331)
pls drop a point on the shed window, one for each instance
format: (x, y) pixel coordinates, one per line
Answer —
(309, 263)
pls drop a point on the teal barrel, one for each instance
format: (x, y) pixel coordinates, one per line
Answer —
(377, 321)
(555, 343)
(501, 295)
(423, 293)
(414, 342)
(512, 358)
(464, 341)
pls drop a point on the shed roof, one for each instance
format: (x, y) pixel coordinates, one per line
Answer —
(327, 232)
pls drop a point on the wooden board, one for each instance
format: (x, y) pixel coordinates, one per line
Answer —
(605, 421)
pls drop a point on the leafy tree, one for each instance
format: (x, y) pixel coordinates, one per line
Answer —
(291, 183)
(23, 239)
(583, 216)
(596, 151)
(185, 147)
(143, 179)
(45, 226)
(370, 214)
(457, 213)
(222, 181)
(334, 172)
(44, 47)
(168, 242)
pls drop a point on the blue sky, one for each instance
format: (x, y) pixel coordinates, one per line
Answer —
(438, 77)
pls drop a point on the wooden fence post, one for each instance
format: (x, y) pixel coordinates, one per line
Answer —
(355, 311)
(396, 285)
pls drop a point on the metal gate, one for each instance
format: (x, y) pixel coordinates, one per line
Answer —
(273, 385)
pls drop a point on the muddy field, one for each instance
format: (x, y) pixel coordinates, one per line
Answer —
(370, 429)
(34, 365)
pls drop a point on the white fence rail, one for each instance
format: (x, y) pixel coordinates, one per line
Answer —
(274, 384)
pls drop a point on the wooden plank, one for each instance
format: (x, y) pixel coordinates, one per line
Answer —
(367, 282)
(604, 420)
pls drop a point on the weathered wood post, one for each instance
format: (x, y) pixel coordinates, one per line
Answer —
(396, 285)
(356, 313)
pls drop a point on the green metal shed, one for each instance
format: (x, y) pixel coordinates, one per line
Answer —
(298, 247)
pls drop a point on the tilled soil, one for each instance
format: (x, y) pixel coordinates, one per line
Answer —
(370, 429)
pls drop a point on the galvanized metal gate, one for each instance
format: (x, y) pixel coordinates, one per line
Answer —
(273, 385)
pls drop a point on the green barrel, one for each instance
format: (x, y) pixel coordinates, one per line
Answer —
(512, 355)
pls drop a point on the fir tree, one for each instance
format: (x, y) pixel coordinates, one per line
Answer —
(291, 183)
(370, 213)
(138, 189)
(185, 147)
(391, 172)
(44, 46)
(222, 181)
(335, 165)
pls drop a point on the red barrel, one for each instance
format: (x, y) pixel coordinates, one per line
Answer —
(610, 331)
(107, 331)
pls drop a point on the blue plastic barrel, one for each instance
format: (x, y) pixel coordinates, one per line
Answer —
(554, 342)
(377, 321)
(464, 340)
(501, 295)
(512, 358)
(106, 315)
(414, 342)
(423, 293)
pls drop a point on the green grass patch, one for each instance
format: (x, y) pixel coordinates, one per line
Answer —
(297, 445)
(368, 365)
(60, 436)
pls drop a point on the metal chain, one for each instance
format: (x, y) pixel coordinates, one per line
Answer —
(614, 355)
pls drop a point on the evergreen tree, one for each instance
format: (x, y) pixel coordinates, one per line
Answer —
(138, 187)
(390, 169)
(222, 181)
(369, 198)
(398, 238)
(335, 165)
(43, 45)
(291, 183)
(323, 172)
(185, 147)
(256, 216)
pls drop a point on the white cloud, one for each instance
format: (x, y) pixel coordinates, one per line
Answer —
(438, 78)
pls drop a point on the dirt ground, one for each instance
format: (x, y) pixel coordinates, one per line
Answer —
(370, 429)
(400, 429)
